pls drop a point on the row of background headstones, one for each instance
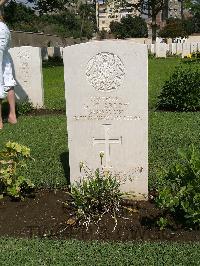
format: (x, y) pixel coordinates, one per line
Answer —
(159, 49)
(163, 49)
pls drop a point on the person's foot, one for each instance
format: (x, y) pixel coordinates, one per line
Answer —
(12, 119)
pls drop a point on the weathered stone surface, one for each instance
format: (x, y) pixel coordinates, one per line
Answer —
(194, 47)
(172, 48)
(179, 48)
(28, 74)
(161, 50)
(107, 110)
(186, 49)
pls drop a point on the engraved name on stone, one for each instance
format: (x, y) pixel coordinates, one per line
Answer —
(106, 108)
(24, 66)
(105, 72)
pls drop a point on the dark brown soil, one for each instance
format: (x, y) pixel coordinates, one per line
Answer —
(45, 215)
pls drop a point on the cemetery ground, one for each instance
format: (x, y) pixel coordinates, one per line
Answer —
(45, 133)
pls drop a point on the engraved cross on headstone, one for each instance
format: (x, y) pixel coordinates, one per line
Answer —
(107, 141)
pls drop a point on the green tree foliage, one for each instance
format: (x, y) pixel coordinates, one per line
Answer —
(129, 27)
(65, 23)
(46, 6)
(176, 27)
(20, 17)
(193, 5)
(151, 8)
(196, 22)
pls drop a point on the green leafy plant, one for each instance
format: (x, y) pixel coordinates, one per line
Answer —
(97, 194)
(24, 107)
(196, 55)
(129, 27)
(162, 223)
(179, 187)
(182, 91)
(12, 159)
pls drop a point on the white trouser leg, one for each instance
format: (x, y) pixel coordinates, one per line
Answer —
(2, 92)
(4, 45)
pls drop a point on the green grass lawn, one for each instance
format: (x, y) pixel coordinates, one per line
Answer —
(159, 72)
(46, 252)
(53, 78)
(47, 138)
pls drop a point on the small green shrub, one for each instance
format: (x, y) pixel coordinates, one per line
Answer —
(12, 159)
(195, 55)
(96, 194)
(179, 187)
(162, 223)
(182, 91)
(24, 107)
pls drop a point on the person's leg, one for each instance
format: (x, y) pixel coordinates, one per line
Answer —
(1, 120)
(12, 112)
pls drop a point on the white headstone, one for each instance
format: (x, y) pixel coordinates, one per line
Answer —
(153, 48)
(194, 47)
(179, 48)
(186, 49)
(107, 109)
(161, 50)
(28, 74)
(172, 48)
(167, 47)
(61, 51)
(54, 52)
(50, 51)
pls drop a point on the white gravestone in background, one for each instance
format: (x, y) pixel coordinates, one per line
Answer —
(194, 47)
(153, 48)
(161, 50)
(179, 48)
(172, 48)
(107, 110)
(186, 49)
(50, 51)
(28, 74)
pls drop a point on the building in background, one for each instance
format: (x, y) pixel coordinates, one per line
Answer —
(174, 9)
(113, 11)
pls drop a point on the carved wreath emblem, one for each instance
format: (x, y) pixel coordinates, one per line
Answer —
(105, 72)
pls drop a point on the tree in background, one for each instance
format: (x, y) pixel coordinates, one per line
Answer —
(194, 7)
(49, 6)
(20, 17)
(65, 22)
(176, 27)
(129, 27)
(151, 8)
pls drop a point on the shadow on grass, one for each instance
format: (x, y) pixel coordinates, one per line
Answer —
(64, 159)
(5, 110)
